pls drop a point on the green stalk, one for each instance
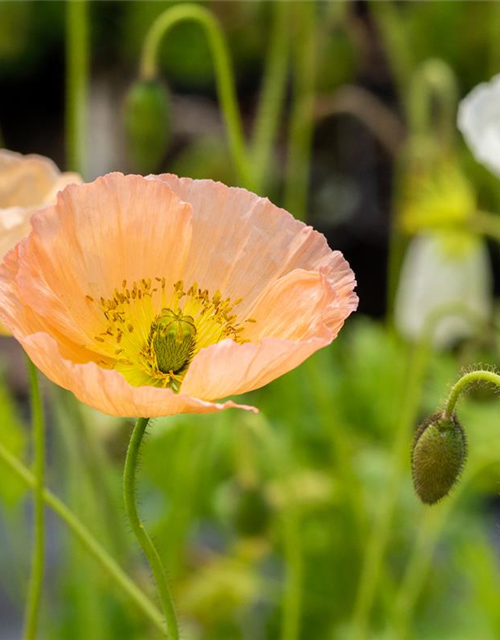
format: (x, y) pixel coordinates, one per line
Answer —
(96, 465)
(292, 601)
(273, 93)
(77, 75)
(433, 84)
(302, 113)
(394, 34)
(292, 596)
(38, 563)
(224, 71)
(129, 492)
(87, 540)
(467, 380)
(379, 539)
(421, 556)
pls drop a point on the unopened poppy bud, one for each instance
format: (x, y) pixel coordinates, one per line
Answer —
(438, 456)
(147, 124)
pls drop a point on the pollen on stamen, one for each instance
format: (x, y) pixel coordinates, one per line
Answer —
(131, 337)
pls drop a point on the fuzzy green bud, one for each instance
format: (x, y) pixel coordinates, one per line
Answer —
(438, 456)
(147, 124)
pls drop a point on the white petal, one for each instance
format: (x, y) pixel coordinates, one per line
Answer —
(431, 278)
(479, 122)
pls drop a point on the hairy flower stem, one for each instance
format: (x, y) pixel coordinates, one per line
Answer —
(129, 492)
(226, 85)
(77, 74)
(37, 571)
(87, 540)
(467, 380)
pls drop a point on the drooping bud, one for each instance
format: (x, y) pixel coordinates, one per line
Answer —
(438, 456)
(173, 339)
(147, 124)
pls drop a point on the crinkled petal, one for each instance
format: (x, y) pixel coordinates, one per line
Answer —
(243, 243)
(107, 390)
(229, 368)
(96, 236)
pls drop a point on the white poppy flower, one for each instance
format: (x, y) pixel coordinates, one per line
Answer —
(479, 122)
(439, 270)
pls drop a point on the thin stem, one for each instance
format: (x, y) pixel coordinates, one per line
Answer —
(394, 34)
(379, 538)
(292, 596)
(224, 71)
(38, 563)
(91, 453)
(302, 112)
(292, 601)
(273, 92)
(77, 74)
(433, 84)
(129, 493)
(471, 378)
(423, 551)
(87, 540)
(382, 122)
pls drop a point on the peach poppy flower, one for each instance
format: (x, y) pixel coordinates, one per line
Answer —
(27, 183)
(154, 296)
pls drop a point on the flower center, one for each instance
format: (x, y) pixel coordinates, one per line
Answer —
(172, 339)
(151, 334)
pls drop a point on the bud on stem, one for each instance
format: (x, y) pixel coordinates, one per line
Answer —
(440, 446)
(438, 456)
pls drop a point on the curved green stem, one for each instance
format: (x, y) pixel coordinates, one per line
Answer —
(273, 93)
(224, 71)
(37, 571)
(77, 74)
(302, 113)
(378, 540)
(468, 379)
(87, 540)
(129, 493)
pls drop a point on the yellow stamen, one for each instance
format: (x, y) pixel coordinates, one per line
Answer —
(151, 336)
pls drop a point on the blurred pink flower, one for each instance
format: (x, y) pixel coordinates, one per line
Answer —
(27, 183)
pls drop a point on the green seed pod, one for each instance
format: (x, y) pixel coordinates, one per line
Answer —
(438, 457)
(173, 338)
(147, 124)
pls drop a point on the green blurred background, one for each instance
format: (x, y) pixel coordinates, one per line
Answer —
(299, 523)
